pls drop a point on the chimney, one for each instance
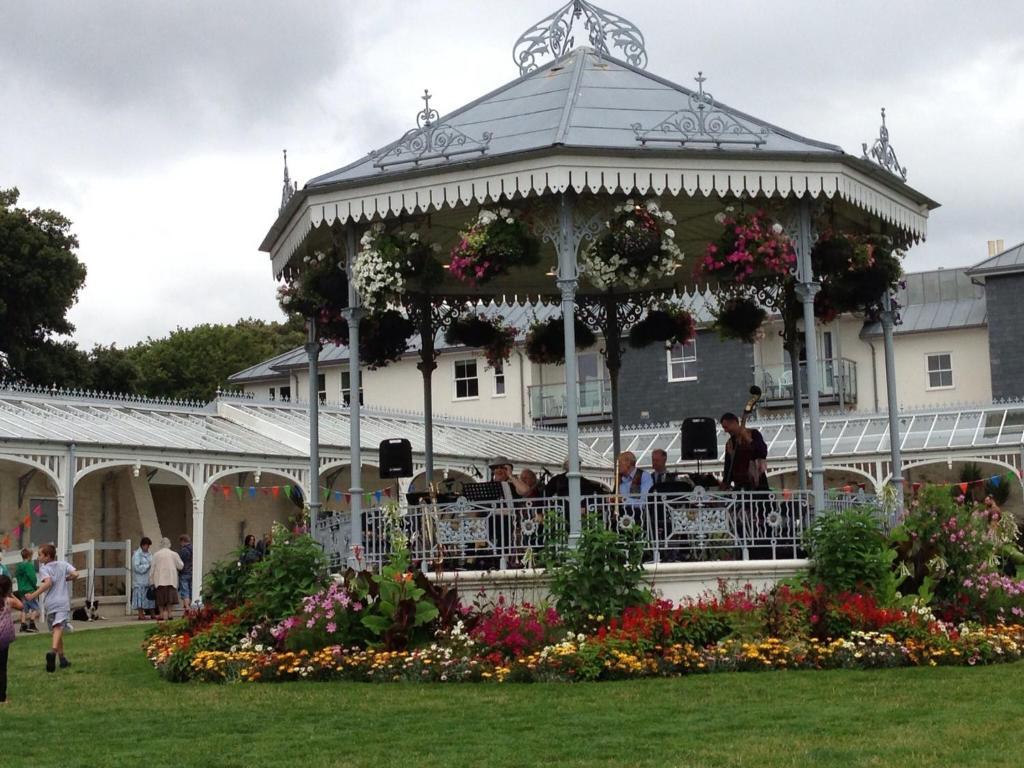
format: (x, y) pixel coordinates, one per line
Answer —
(994, 247)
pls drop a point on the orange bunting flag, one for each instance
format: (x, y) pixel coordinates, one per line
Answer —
(275, 490)
(27, 522)
(6, 542)
(226, 490)
(963, 487)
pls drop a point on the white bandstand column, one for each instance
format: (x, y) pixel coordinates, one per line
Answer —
(568, 278)
(807, 289)
(888, 318)
(355, 446)
(198, 539)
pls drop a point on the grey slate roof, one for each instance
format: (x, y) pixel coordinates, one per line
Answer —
(583, 100)
(937, 300)
(1008, 262)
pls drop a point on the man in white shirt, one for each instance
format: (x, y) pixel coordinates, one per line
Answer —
(634, 484)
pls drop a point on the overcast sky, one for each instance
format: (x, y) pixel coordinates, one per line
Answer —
(157, 126)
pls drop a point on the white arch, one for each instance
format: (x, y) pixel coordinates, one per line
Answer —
(262, 470)
(92, 468)
(342, 464)
(58, 487)
(832, 468)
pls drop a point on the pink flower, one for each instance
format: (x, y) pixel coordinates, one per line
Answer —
(332, 627)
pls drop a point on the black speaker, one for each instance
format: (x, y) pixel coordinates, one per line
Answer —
(395, 458)
(699, 438)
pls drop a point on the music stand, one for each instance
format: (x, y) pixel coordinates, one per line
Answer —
(487, 491)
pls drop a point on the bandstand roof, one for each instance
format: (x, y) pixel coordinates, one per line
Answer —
(850, 435)
(588, 122)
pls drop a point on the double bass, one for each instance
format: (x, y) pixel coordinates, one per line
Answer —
(758, 468)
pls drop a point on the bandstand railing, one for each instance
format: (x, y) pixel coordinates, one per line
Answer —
(498, 535)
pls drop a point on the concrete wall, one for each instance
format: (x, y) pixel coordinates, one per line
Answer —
(1005, 321)
(723, 381)
(673, 581)
(229, 519)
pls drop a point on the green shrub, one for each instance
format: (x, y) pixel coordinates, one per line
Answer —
(850, 553)
(294, 567)
(225, 585)
(601, 577)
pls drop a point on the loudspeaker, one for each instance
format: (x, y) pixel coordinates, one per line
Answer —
(395, 458)
(699, 438)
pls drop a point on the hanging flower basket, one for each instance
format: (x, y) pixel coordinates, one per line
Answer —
(670, 326)
(739, 318)
(392, 262)
(856, 271)
(497, 241)
(752, 250)
(545, 341)
(490, 335)
(384, 338)
(321, 283)
(638, 247)
(332, 326)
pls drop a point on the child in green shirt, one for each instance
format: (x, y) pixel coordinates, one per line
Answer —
(25, 576)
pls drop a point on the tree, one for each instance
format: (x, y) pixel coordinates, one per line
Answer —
(193, 363)
(112, 369)
(40, 277)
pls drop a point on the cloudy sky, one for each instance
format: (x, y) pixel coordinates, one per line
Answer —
(157, 127)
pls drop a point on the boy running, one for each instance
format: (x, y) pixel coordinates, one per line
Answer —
(54, 578)
(25, 579)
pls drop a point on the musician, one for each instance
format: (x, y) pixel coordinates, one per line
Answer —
(659, 469)
(746, 455)
(634, 483)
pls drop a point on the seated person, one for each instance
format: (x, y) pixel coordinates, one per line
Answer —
(526, 485)
(659, 468)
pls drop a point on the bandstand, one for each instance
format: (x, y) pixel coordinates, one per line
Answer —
(581, 130)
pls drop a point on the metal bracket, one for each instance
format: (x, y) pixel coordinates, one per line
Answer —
(23, 482)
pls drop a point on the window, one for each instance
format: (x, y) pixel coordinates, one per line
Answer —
(499, 380)
(321, 387)
(346, 388)
(286, 393)
(682, 361)
(467, 385)
(273, 393)
(940, 371)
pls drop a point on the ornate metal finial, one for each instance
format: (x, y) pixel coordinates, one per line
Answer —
(701, 122)
(289, 187)
(883, 153)
(429, 140)
(553, 36)
(427, 117)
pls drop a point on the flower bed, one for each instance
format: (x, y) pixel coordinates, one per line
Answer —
(930, 593)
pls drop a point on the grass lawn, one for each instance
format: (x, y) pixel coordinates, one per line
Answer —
(110, 708)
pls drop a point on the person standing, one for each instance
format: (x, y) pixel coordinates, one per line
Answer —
(164, 577)
(142, 563)
(746, 456)
(659, 467)
(185, 577)
(55, 576)
(25, 578)
(7, 602)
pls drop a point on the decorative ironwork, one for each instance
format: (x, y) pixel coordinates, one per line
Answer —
(883, 153)
(702, 122)
(588, 221)
(290, 187)
(430, 140)
(553, 36)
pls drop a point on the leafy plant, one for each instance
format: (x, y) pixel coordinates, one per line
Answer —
(295, 566)
(545, 341)
(226, 584)
(739, 318)
(850, 552)
(601, 576)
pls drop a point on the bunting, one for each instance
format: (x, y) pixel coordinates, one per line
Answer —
(26, 523)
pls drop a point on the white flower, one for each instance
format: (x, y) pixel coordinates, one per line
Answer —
(505, 213)
(776, 229)
(719, 218)
(414, 237)
(670, 233)
(630, 223)
(510, 220)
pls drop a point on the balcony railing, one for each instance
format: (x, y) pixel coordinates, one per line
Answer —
(547, 401)
(487, 535)
(837, 383)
